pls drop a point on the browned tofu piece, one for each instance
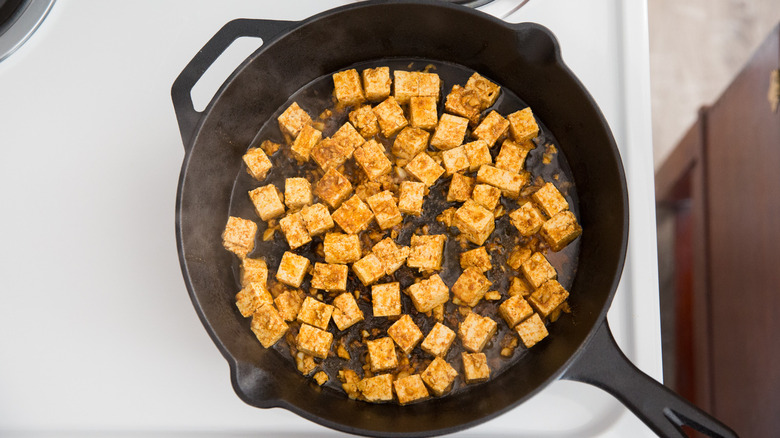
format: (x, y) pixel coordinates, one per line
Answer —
(253, 271)
(455, 160)
(527, 219)
(425, 169)
(475, 331)
(315, 313)
(429, 85)
(486, 90)
(317, 219)
(410, 84)
(548, 297)
(346, 312)
(372, 160)
(292, 269)
(508, 182)
(426, 252)
(297, 192)
(294, 230)
(486, 196)
(464, 103)
(517, 256)
(449, 132)
(514, 310)
(474, 221)
(365, 121)
(470, 287)
(314, 341)
(493, 128)
(353, 216)
(439, 376)
(270, 147)
(376, 83)
(257, 163)
(377, 388)
(532, 330)
(305, 142)
(347, 87)
(369, 269)
(512, 155)
(381, 354)
(422, 112)
(386, 299)
(477, 258)
(239, 236)
(475, 367)
(251, 297)
(518, 286)
(320, 377)
(410, 197)
(390, 116)
(560, 230)
(267, 325)
(429, 293)
(438, 341)
(331, 153)
(267, 201)
(390, 255)
(478, 154)
(405, 333)
(410, 389)
(385, 210)
(333, 188)
(460, 188)
(330, 277)
(340, 248)
(289, 304)
(550, 200)
(522, 125)
(410, 142)
(349, 137)
(293, 119)
(537, 270)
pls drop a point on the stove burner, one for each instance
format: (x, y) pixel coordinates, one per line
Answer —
(19, 19)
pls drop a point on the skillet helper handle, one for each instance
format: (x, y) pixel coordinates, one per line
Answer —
(602, 364)
(186, 115)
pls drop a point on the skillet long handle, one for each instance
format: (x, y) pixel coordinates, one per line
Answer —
(180, 91)
(602, 364)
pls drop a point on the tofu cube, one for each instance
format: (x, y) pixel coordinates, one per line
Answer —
(330, 277)
(297, 192)
(509, 183)
(292, 269)
(477, 259)
(410, 389)
(486, 90)
(560, 230)
(321, 377)
(257, 163)
(377, 388)
(512, 155)
(365, 121)
(538, 270)
(349, 137)
(314, 341)
(305, 142)
(550, 200)
(460, 188)
(347, 87)
(376, 83)
(475, 367)
(422, 112)
(517, 256)
(239, 236)
(527, 219)
(429, 293)
(293, 119)
(438, 341)
(294, 230)
(426, 252)
(251, 297)
(369, 269)
(405, 333)
(464, 103)
(470, 287)
(424, 168)
(333, 188)
(267, 201)
(493, 128)
(386, 299)
(330, 153)
(372, 160)
(340, 248)
(474, 221)
(410, 142)
(346, 312)
(428, 85)
(406, 85)
(449, 132)
(548, 297)
(518, 286)
(455, 160)
(289, 304)
(353, 216)
(317, 219)
(522, 125)
(315, 313)
(514, 310)
(267, 325)
(381, 354)
(475, 331)
(439, 376)
(532, 330)
(390, 255)
(486, 196)
(385, 210)
(253, 271)
(478, 154)
(410, 197)
(390, 116)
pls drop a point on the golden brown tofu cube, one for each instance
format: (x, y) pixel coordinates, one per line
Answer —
(257, 163)
(353, 216)
(464, 103)
(369, 269)
(527, 219)
(297, 192)
(455, 160)
(548, 297)
(305, 142)
(347, 87)
(294, 230)
(365, 121)
(405, 333)
(486, 90)
(522, 125)
(493, 128)
(429, 293)
(425, 169)
(372, 160)
(460, 188)
(330, 153)
(390, 255)
(376, 82)
(550, 200)
(512, 155)
(470, 287)
(439, 376)
(390, 116)
(537, 270)
(474, 221)
(493, 295)
(340, 248)
(517, 257)
(426, 252)
(410, 197)
(410, 142)
(317, 219)
(320, 377)
(253, 271)
(475, 367)
(449, 132)
(251, 297)
(406, 85)
(289, 304)
(314, 341)
(508, 182)
(518, 286)
(349, 137)
(239, 236)
(422, 112)
(486, 196)
(346, 312)
(330, 277)
(477, 258)
(428, 85)
(514, 310)
(267, 325)
(333, 188)
(315, 313)
(410, 389)
(560, 230)
(292, 269)
(386, 299)
(385, 210)
(267, 201)
(377, 388)
(293, 119)
(381, 354)
(532, 330)
(438, 341)
(475, 331)
(478, 154)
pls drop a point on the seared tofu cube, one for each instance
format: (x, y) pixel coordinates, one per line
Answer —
(251, 297)
(391, 255)
(253, 271)
(406, 84)
(428, 85)
(410, 198)
(372, 160)
(386, 299)
(429, 293)
(410, 142)
(486, 90)
(346, 312)
(512, 155)
(305, 142)
(239, 236)
(333, 188)
(518, 286)
(376, 83)
(314, 341)
(341, 248)
(438, 341)
(422, 112)
(365, 121)
(315, 313)
(475, 367)
(550, 200)
(455, 160)
(267, 325)
(410, 389)
(385, 210)
(449, 132)
(532, 330)
(508, 182)
(425, 169)
(527, 219)
(518, 256)
(548, 297)
(537, 270)
(478, 154)
(257, 163)
(377, 388)
(317, 219)
(475, 331)
(330, 153)
(353, 216)
(405, 333)
(470, 287)
(474, 221)
(293, 119)
(289, 304)
(514, 310)
(369, 269)
(297, 192)
(381, 354)
(349, 137)
(292, 269)
(426, 252)
(477, 258)
(390, 116)
(486, 196)
(522, 125)
(267, 201)
(294, 230)
(347, 87)
(464, 103)
(439, 376)
(493, 128)
(560, 230)
(321, 377)
(330, 277)
(460, 188)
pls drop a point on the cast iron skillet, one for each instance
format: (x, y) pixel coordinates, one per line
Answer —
(523, 58)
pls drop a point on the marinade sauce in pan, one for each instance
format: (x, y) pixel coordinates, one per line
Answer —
(315, 98)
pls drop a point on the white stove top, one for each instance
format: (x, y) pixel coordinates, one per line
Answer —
(97, 332)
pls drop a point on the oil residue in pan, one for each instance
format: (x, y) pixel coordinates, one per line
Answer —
(542, 162)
